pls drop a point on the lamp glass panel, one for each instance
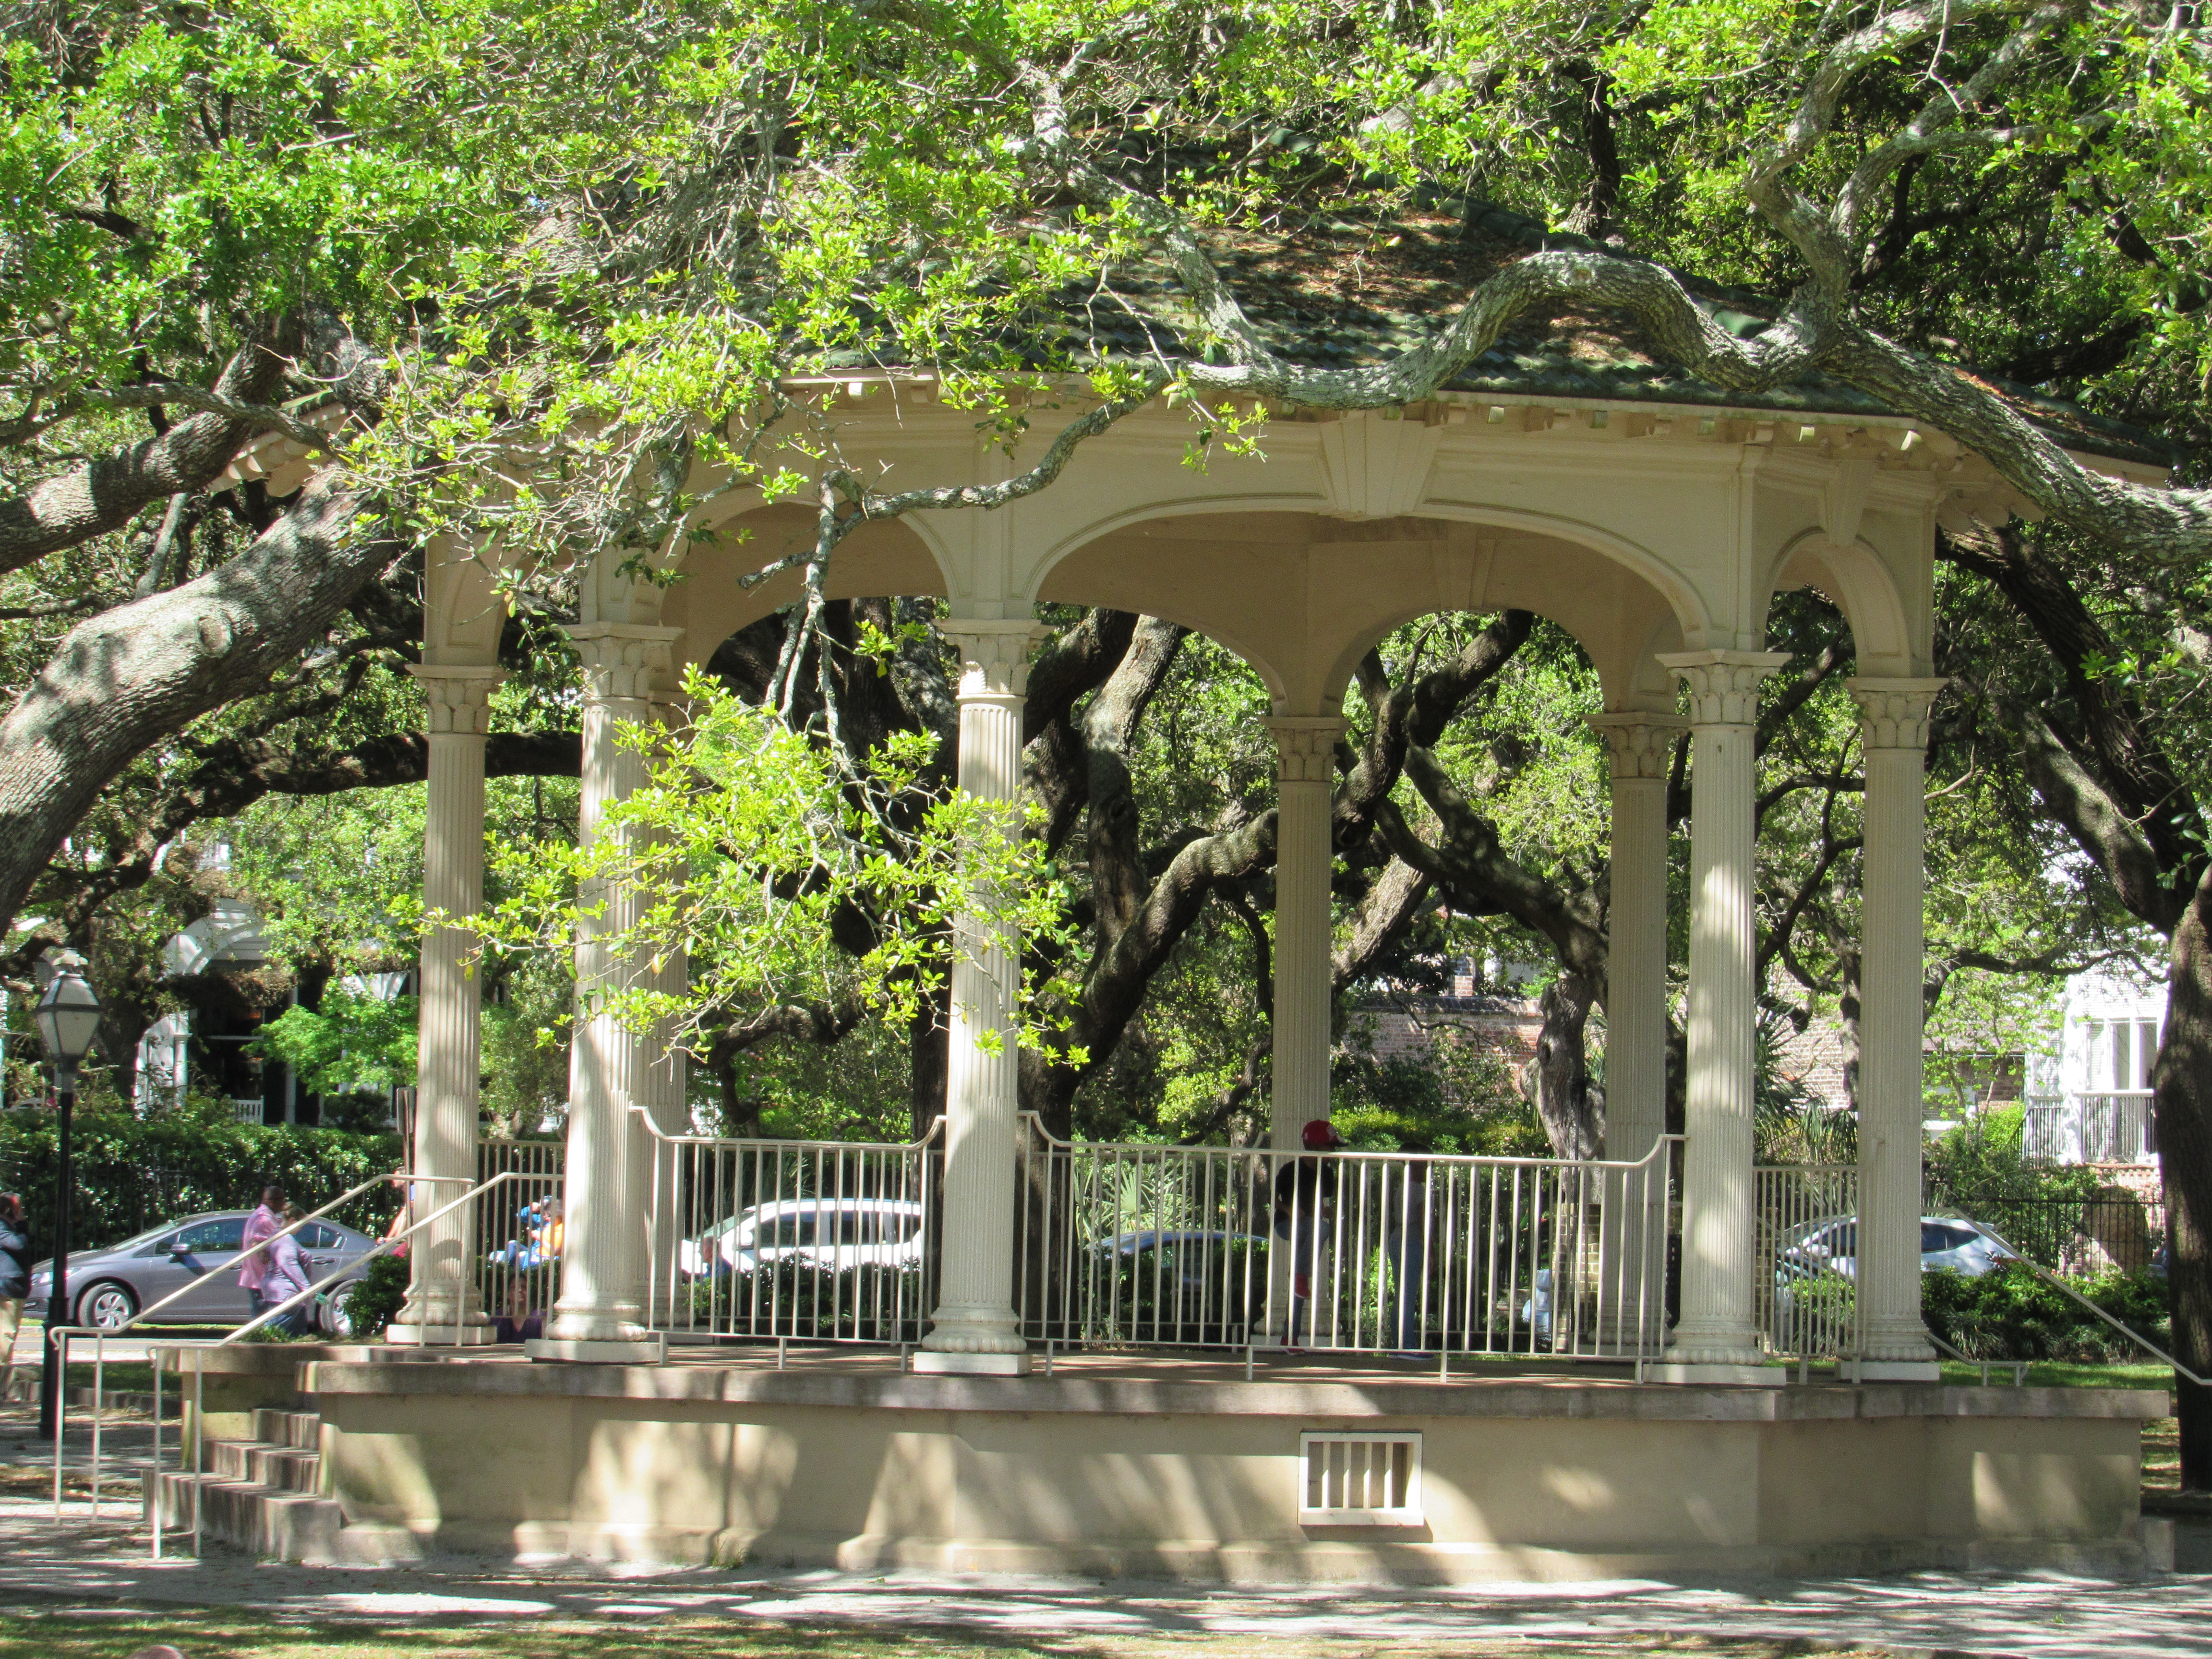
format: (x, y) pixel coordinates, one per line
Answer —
(67, 1018)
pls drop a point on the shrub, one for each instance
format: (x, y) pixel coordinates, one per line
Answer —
(128, 1174)
(2009, 1313)
(375, 1298)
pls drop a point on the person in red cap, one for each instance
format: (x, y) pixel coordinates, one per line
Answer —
(1305, 1201)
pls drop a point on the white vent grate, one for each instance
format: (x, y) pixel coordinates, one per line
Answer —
(1359, 1479)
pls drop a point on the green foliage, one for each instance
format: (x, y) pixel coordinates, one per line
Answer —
(2010, 1314)
(377, 1295)
(757, 927)
(1455, 1099)
(355, 1042)
(1983, 1162)
(130, 1173)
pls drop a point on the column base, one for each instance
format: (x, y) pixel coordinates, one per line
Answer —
(440, 1336)
(1764, 1377)
(929, 1363)
(651, 1352)
(1892, 1370)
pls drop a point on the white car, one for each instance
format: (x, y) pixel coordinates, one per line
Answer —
(830, 1234)
(1947, 1244)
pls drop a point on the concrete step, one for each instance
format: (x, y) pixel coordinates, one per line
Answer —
(281, 1468)
(265, 1495)
(302, 1430)
(287, 1525)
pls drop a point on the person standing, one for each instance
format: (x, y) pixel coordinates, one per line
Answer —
(15, 1282)
(253, 1264)
(1406, 1223)
(1305, 1202)
(287, 1277)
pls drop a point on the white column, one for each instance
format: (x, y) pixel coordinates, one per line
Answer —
(1716, 1338)
(1639, 748)
(600, 1313)
(1893, 731)
(1305, 774)
(975, 1328)
(443, 1299)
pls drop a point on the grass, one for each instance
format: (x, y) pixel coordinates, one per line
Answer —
(2055, 1374)
(78, 1632)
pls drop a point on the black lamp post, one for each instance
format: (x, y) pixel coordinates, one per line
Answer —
(67, 1018)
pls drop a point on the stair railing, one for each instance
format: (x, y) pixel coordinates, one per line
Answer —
(64, 1335)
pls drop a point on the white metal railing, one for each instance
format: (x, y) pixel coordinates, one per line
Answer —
(193, 1348)
(2097, 1126)
(518, 1242)
(1805, 1259)
(792, 1240)
(1413, 1253)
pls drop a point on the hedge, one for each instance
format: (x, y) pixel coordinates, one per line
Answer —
(130, 1173)
(2009, 1313)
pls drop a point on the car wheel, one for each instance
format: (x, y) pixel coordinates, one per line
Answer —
(336, 1320)
(107, 1306)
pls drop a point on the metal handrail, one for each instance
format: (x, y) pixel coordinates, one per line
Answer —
(64, 1335)
(2018, 1366)
(2073, 1295)
(258, 1247)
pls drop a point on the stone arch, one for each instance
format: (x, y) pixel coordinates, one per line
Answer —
(891, 556)
(1855, 577)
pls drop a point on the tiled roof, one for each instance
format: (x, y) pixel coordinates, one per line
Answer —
(1338, 293)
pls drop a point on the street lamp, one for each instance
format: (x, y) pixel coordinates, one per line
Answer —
(67, 1018)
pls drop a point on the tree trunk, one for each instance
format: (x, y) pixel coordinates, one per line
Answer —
(133, 675)
(2182, 1114)
(929, 1040)
(1558, 1078)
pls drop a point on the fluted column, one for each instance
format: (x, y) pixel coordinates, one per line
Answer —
(603, 1249)
(974, 1327)
(1305, 774)
(1716, 1338)
(1639, 748)
(1893, 731)
(442, 1303)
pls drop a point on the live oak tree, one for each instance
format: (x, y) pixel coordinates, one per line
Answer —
(609, 239)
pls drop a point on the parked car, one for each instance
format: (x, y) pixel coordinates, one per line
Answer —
(109, 1287)
(1947, 1244)
(830, 1234)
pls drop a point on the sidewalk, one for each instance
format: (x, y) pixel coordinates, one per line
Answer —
(102, 1562)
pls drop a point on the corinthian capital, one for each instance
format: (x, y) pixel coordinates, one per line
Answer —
(1894, 714)
(1305, 747)
(1638, 745)
(994, 655)
(623, 662)
(1723, 685)
(460, 698)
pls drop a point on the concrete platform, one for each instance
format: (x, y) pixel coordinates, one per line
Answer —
(1115, 1466)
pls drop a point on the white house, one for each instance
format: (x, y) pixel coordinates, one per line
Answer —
(2089, 1102)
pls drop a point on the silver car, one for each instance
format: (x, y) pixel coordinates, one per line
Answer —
(109, 1287)
(1947, 1244)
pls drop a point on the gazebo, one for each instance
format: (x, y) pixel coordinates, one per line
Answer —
(1652, 517)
